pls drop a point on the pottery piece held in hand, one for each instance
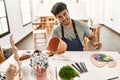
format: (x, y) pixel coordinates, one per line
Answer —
(57, 45)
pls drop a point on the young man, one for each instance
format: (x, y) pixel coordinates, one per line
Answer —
(71, 31)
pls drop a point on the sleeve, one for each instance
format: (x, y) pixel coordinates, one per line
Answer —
(86, 29)
(55, 32)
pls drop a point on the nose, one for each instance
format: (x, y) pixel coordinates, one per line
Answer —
(63, 18)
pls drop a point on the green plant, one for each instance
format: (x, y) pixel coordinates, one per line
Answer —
(67, 73)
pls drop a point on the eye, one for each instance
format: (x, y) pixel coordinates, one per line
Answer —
(59, 17)
(64, 14)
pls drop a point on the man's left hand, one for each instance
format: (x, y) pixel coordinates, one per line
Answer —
(97, 45)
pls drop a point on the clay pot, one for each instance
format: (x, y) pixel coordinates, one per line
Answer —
(57, 45)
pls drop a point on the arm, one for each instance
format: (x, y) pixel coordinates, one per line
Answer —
(96, 44)
(93, 40)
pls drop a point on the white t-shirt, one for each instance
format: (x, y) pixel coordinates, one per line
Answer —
(82, 30)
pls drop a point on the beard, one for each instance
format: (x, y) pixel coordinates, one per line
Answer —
(66, 22)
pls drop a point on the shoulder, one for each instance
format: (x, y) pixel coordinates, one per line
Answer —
(80, 24)
(56, 31)
(57, 27)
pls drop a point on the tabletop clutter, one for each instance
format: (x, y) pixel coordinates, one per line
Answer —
(39, 62)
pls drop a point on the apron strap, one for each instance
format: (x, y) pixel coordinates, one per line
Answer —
(62, 30)
(75, 31)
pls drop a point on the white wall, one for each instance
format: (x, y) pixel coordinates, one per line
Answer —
(95, 10)
(77, 11)
(15, 23)
(112, 14)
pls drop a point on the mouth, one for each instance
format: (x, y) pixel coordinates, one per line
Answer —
(66, 22)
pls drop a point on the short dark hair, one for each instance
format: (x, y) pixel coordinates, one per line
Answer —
(58, 7)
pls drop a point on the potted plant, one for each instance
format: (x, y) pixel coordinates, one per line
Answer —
(67, 73)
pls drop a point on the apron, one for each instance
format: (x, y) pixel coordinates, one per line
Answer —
(74, 44)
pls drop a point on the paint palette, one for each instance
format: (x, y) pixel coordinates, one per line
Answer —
(102, 57)
(100, 60)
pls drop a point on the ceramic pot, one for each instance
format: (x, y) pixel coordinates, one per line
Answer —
(41, 75)
(57, 45)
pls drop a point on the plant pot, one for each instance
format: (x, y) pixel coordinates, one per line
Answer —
(57, 45)
(41, 74)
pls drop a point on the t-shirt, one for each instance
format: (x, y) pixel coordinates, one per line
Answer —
(82, 30)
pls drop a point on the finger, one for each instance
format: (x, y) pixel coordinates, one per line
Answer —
(98, 46)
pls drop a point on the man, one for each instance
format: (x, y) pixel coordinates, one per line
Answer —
(71, 31)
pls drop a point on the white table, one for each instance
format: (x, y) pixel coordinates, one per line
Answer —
(94, 73)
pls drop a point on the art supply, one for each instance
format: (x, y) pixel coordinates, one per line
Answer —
(102, 57)
(100, 60)
(79, 67)
(39, 63)
(85, 67)
(56, 73)
(2, 76)
(75, 67)
(39, 60)
(61, 59)
(113, 78)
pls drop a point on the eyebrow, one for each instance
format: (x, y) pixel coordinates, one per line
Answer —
(61, 16)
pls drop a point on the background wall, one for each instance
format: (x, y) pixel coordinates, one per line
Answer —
(112, 14)
(76, 10)
(15, 23)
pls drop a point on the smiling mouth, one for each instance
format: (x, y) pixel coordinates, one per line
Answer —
(65, 21)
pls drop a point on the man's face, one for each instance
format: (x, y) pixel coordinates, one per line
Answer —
(63, 17)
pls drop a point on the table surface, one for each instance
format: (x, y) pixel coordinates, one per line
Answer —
(70, 57)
